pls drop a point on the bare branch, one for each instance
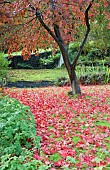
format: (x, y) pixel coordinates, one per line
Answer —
(32, 7)
(40, 18)
(30, 21)
(29, 16)
(5, 2)
(86, 34)
(57, 32)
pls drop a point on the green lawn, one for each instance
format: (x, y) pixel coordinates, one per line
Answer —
(36, 75)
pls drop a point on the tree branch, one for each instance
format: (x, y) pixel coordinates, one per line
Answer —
(57, 37)
(2, 4)
(40, 18)
(5, 2)
(52, 5)
(57, 32)
(86, 34)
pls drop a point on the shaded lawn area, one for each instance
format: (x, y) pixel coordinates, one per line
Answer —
(75, 131)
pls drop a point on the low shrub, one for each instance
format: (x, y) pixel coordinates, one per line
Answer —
(3, 69)
(88, 76)
(94, 79)
(24, 66)
(50, 62)
(93, 75)
(46, 61)
(18, 137)
(62, 81)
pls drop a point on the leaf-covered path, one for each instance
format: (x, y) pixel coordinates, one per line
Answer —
(75, 131)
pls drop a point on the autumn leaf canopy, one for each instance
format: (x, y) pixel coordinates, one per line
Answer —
(20, 27)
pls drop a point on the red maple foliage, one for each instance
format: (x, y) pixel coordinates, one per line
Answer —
(70, 127)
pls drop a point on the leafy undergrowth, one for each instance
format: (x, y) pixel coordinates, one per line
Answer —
(75, 131)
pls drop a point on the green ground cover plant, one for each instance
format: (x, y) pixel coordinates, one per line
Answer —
(18, 139)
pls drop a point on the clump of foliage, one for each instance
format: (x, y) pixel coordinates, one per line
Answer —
(3, 69)
(90, 54)
(93, 74)
(95, 79)
(46, 61)
(18, 136)
(17, 127)
(25, 161)
(25, 66)
(49, 62)
(62, 81)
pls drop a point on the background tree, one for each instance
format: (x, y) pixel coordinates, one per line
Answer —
(33, 24)
(100, 29)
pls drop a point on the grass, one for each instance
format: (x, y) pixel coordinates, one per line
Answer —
(101, 74)
(36, 75)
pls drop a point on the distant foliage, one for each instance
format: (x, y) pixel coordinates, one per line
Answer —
(93, 74)
(50, 62)
(90, 54)
(3, 69)
(88, 75)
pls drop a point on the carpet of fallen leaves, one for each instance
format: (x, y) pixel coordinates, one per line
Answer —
(75, 131)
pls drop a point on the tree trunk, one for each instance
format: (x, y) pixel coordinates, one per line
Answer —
(71, 71)
(74, 83)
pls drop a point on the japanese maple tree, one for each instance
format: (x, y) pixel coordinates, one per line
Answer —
(33, 24)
